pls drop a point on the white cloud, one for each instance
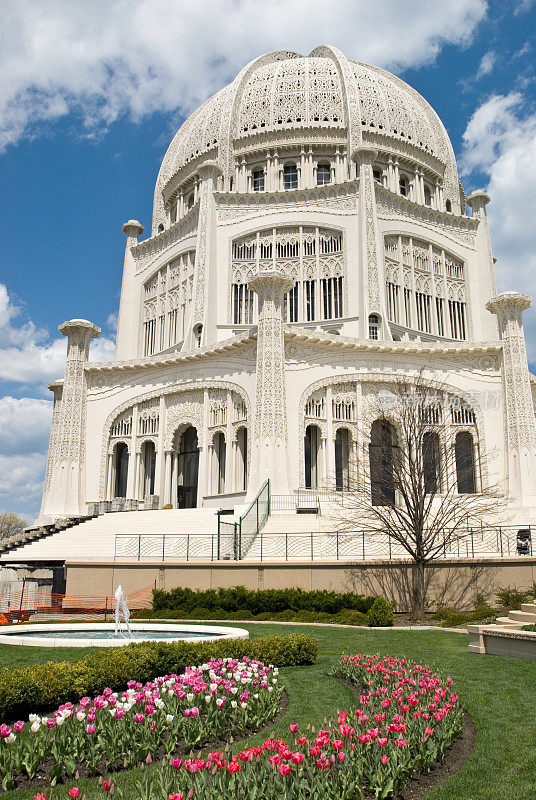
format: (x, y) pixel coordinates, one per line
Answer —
(486, 64)
(133, 57)
(27, 353)
(500, 143)
(21, 483)
(24, 434)
(24, 425)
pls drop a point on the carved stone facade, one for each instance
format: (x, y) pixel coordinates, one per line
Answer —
(309, 247)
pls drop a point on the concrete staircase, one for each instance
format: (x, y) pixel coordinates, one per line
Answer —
(516, 619)
(39, 532)
(94, 538)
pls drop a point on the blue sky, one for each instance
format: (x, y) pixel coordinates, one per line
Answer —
(92, 93)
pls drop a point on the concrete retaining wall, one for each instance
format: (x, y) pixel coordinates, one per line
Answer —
(449, 582)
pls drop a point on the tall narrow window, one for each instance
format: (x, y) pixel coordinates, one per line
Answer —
(220, 456)
(448, 206)
(309, 298)
(121, 469)
(150, 336)
(290, 304)
(392, 301)
(290, 176)
(258, 180)
(373, 326)
(457, 319)
(427, 195)
(377, 174)
(149, 464)
(407, 307)
(342, 458)
(241, 468)
(465, 463)
(323, 174)
(430, 461)
(381, 460)
(311, 445)
(422, 301)
(403, 185)
(332, 301)
(440, 314)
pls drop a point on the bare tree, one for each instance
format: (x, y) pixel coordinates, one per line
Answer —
(11, 524)
(419, 488)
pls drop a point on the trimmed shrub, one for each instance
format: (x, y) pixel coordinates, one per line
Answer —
(273, 601)
(380, 614)
(45, 686)
(510, 597)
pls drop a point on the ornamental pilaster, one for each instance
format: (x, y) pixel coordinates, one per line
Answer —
(205, 284)
(128, 336)
(483, 283)
(370, 250)
(520, 426)
(270, 426)
(66, 495)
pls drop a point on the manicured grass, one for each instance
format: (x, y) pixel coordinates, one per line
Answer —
(499, 693)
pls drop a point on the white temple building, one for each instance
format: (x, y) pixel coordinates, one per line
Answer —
(309, 246)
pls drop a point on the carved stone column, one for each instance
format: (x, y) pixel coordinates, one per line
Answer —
(483, 284)
(520, 427)
(371, 253)
(205, 257)
(128, 335)
(269, 459)
(66, 469)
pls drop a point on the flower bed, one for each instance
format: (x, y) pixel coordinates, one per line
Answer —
(213, 701)
(405, 719)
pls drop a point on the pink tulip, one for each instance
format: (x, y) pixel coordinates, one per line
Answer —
(74, 792)
(293, 727)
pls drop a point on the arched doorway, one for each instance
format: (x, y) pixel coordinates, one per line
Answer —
(148, 455)
(464, 452)
(187, 469)
(120, 469)
(311, 446)
(381, 458)
(342, 460)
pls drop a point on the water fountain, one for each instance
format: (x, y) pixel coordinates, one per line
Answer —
(121, 606)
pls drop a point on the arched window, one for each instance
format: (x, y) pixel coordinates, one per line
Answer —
(323, 174)
(241, 465)
(190, 200)
(431, 462)
(121, 469)
(448, 206)
(290, 176)
(311, 445)
(427, 195)
(258, 180)
(198, 335)
(373, 326)
(381, 459)
(465, 463)
(188, 469)
(342, 460)
(403, 186)
(377, 174)
(160, 227)
(149, 464)
(219, 463)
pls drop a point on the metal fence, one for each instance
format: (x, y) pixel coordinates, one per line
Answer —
(363, 545)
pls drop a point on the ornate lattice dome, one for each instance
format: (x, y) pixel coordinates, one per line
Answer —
(284, 91)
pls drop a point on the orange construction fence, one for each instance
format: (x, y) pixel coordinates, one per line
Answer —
(39, 603)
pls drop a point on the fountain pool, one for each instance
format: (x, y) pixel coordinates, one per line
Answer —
(91, 634)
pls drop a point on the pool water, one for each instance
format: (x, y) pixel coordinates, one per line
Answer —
(95, 633)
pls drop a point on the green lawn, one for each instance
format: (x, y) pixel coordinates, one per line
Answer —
(499, 693)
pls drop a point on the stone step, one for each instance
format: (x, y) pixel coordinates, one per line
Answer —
(529, 608)
(523, 616)
(509, 623)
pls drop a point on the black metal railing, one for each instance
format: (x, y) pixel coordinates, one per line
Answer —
(359, 545)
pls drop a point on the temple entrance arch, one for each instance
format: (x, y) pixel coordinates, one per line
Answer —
(186, 468)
